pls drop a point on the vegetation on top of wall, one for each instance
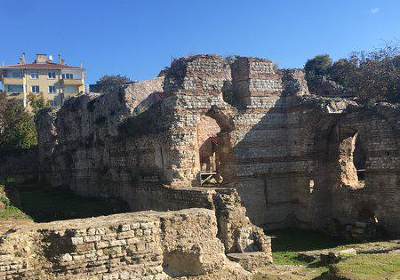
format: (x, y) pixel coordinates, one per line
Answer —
(111, 83)
(317, 67)
(17, 127)
(229, 59)
(371, 76)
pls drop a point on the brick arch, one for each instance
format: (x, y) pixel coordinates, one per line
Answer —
(185, 147)
(207, 131)
(222, 116)
(332, 196)
(213, 142)
(318, 130)
(335, 143)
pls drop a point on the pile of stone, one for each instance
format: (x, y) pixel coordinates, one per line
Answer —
(326, 256)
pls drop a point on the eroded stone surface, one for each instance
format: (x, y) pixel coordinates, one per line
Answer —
(288, 154)
(144, 245)
(286, 158)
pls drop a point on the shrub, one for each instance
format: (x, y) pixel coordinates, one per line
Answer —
(17, 127)
(371, 76)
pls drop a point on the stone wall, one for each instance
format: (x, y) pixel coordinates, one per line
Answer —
(337, 192)
(20, 165)
(278, 145)
(236, 231)
(133, 158)
(145, 245)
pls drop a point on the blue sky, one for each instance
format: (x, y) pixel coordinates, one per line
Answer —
(138, 38)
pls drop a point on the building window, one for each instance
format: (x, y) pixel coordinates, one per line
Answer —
(14, 88)
(51, 75)
(34, 75)
(16, 74)
(69, 90)
(53, 103)
(35, 89)
(67, 76)
(52, 89)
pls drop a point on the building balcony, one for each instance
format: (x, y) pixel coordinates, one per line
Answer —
(71, 82)
(13, 81)
(15, 95)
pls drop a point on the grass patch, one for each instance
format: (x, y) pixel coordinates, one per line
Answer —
(50, 205)
(8, 211)
(368, 267)
(286, 243)
(12, 212)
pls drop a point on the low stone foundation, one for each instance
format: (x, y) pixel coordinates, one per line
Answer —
(235, 229)
(143, 245)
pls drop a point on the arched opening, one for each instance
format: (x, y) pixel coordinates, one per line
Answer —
(352, 158)
(347, 156)
(359, 159)
(366, 215)
(208, 162)
(367, 225)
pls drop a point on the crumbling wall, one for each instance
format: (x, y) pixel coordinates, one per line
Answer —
(236, 231)
(134, 158)
(274, 144)
(77, 141)
(144, 245)
(263, 132)
(329, 188)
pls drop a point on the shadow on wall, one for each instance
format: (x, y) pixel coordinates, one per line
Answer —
(290, 155)
(334, 165)
(264, 160)
(350, 170)
(301, 165)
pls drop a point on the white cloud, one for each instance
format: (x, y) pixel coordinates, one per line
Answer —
(375, 10)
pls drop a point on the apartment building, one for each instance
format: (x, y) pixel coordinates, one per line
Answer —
(57, 81)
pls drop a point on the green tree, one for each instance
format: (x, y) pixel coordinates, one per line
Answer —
(396, 61)
(111, 83)
(375, 75)
(371, 76)
(319, 65)
(316, 68)
(340, 71)
(17, 127)
(38, 102)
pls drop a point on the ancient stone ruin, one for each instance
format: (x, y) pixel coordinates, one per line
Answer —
(244, 141)
(145, 245)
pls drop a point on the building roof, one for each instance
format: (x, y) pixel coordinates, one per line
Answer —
(40, 66)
